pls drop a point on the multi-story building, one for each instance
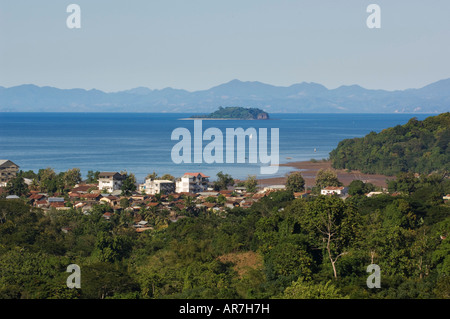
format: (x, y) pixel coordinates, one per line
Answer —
(8, 171)
(192, 183)
(110, 181)
(155, 186)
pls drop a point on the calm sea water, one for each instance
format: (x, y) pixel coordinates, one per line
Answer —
(141, 143)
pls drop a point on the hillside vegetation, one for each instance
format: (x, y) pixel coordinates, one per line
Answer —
(418, 146)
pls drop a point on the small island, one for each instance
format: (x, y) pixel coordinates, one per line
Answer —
(234, 113)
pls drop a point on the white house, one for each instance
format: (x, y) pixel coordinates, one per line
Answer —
(329, 190)
(274, 188)
(110, 181)
(192, 183)
(370, 194)
(155, 186)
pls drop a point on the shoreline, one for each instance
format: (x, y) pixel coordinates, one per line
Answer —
(309, 171)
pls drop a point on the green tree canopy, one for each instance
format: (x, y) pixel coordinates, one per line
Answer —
(295, 182)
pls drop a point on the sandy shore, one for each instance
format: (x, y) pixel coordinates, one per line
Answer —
(309, 170)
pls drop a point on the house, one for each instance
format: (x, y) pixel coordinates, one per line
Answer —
(154, 204)
(232, 204)
(111, 200)
(330, 190)
(302, 194)
(8, 171)
(107, 215)
(446, 197)
(274, 188)
(110, 181)
(246, 203)
(91, 197)
(204, 195)
(43, 203)
(157, 186)
(83, 189)
(373, 194)
(56, 200)
(36, 197)
(192, 183)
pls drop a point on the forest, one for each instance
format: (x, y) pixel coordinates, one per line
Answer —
(418, 146)
(281, 247)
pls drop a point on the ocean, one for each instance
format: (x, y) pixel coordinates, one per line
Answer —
(140, 143)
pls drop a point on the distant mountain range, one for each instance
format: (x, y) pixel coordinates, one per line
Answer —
(297, 98)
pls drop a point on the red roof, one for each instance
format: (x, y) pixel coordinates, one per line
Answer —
(196, 174)
(36, 196)
(333, 188)
(74, 194)
(57, 204)
(90, 195)
(152, 204)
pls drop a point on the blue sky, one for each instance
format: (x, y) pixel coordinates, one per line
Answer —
(197, 44)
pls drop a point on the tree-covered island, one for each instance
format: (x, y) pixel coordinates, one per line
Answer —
(235, 113)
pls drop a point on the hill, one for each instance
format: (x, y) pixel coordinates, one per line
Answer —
(236, 113)
(417, 146)
(297, 98)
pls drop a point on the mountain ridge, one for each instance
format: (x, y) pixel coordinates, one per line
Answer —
(304, 97)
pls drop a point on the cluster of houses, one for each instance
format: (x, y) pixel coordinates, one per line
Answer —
(153, 193)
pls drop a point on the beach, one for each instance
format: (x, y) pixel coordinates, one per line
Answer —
(309, 170)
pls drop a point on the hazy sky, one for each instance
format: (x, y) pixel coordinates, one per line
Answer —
(197, 44)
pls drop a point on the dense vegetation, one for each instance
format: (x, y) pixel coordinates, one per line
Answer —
(281, 247)
(418, 146)
(236, 113)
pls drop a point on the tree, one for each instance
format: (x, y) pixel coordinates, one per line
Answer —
(124, 202)
(92, 177)
(295, 182)
(72, 177)
(251, 184)
(332, 225)
(47, 179)
(102, 280)
(223, 181)
(128, 185)
(303, 289)
(152, 176)
(168, 177)
(17, 186)
(356, 187)
(327, 177)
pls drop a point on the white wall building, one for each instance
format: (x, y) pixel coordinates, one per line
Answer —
(111, 181)
(155, 186)
(329, 190)
(192, 183)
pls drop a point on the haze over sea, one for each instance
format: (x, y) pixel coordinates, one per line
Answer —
(140, 143)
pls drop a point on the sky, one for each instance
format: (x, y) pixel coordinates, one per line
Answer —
(197, 44)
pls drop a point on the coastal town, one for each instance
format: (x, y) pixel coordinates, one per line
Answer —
(171, 196)
(155, 194)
